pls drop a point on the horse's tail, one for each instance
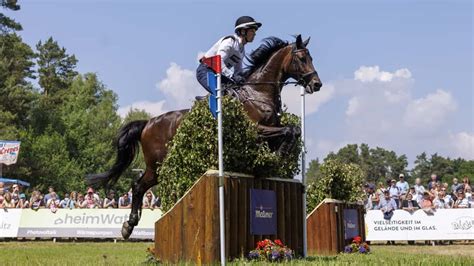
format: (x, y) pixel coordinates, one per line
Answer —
(127, 144)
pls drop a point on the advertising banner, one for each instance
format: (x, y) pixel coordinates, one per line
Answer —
(9, 222)
(9, 151)
(351, 223)
(83, 223)
(441, 224)
(263, 212)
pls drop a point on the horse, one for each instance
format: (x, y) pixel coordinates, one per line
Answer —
(270, 66)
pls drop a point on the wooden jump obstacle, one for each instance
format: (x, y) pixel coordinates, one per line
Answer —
(329, 231)
(189, 231)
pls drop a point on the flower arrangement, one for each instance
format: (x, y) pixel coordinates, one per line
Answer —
(272, 251)
(357, 246)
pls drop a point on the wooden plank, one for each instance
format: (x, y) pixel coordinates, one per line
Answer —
(227, 201)
(288, 216)
(234, 213)
(242, 219)
(211, 230)
(281, 210)
(250, 238)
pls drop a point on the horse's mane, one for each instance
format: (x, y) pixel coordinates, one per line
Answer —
(261, 55)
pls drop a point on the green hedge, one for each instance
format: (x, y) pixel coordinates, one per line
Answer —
(193, 150)
(337, 181)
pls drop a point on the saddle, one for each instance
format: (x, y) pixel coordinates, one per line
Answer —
(228, 89)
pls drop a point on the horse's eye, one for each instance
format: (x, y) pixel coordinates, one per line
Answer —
(303, 60)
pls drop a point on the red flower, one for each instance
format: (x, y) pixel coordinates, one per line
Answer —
(357, 240)
(278, 242)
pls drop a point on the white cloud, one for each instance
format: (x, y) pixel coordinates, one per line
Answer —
(369, 74)
(154, 108)
(353, 106)
(429, 112)
(462, 145)
(291, 97)
(179, 86)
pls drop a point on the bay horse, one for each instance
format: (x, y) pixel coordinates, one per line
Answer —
(271, 65)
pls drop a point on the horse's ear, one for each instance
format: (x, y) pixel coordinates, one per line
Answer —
(299, 42)
(306, 42)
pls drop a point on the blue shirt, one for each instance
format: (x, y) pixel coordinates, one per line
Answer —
(387, 205)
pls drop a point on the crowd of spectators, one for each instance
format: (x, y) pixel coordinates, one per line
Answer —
(13, 197)
(436, 195)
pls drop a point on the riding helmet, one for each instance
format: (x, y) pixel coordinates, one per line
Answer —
(246, 22)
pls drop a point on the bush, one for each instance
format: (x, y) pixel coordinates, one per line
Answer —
(193, 150)
(338, 181)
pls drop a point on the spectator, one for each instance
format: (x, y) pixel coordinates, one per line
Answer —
(53, 202)
(67, 202)
(468, 193)
(409, 204)
(80, 201)
(387, 205)
(15, 192)
(466, 182)
(2, 187)
(419, 189)
(2, 199)
(149, 200)
(109, 201)
(402, 184)
(369, 196)
(48, 196)
(23, 203)
(442, 201)
(36, 200)
(434, 179)
(8, 201)
(413, 193)
(73, 197)
(461, 201)
(379, 192)
(124, 201)
(427, 203)
(435, 190)
(91, 199)
(394, 192)
(456, 185)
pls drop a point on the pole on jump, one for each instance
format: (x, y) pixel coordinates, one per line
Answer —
(215, 106)
(221, 170)
(303, 166)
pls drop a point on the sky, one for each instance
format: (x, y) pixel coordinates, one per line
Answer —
(396, 74)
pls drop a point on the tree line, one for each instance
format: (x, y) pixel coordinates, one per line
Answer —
(66, 121)
(380, 165)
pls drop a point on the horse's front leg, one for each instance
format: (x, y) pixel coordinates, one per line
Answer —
(140, 186)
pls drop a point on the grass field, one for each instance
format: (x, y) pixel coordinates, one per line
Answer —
(134, 253)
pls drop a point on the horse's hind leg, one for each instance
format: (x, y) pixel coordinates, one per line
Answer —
(140, 186)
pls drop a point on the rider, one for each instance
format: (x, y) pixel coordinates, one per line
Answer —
(232, 52)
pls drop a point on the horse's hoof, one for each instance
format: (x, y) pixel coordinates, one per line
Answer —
(126, 230)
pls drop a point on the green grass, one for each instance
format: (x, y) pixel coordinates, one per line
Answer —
(134, 253)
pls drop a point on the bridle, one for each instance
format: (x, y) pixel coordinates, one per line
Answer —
(300, 78)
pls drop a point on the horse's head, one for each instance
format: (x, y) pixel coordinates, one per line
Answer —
(301, 66)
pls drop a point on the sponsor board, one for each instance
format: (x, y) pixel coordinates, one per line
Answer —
(81, 223)
(9, 222)
(441, 224)
(263, 212)
(9, 151)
